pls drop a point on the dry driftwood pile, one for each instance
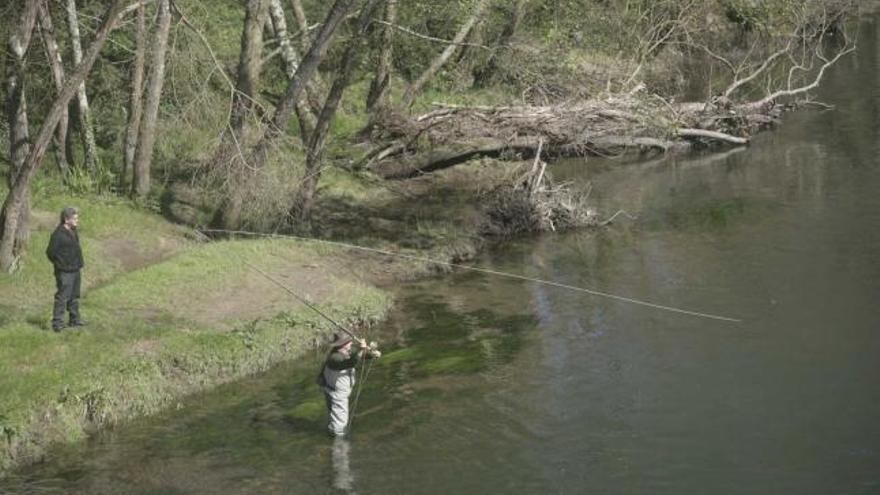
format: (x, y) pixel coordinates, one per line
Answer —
(606, 125)
(533, 203)
(609, 126)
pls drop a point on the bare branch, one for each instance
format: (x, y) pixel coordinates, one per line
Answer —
(702, 133)
(757, 72)
(802, 89)
(429, 38)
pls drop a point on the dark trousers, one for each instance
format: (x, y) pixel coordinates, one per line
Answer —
(66, 298)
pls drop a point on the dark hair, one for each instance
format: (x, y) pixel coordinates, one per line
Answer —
(67, 213)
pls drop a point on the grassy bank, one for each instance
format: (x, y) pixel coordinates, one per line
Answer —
(167, 317)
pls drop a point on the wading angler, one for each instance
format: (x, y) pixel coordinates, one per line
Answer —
(337, 378)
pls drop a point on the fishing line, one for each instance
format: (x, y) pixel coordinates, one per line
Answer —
(301, 299)
(365, 370)
(487, 271)
(360, 387)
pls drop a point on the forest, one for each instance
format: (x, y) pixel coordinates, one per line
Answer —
(245, 111)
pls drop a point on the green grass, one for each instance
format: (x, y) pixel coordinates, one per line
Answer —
(105, 221)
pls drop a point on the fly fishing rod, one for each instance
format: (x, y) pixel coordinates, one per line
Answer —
(302, 300)
(364, 374)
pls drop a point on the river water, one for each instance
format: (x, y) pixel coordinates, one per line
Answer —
(493, 385)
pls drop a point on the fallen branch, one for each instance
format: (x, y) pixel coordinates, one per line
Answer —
(718, 136)
(535, 181)
(619, 212)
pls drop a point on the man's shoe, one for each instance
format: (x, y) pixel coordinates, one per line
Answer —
(57, 329)
(78, 323)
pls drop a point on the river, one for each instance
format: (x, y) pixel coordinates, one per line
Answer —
(493, 385)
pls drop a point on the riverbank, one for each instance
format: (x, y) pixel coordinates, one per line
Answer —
(167, 316)
(170, 314)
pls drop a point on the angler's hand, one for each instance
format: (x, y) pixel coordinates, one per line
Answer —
(374, 349)
(362, 343)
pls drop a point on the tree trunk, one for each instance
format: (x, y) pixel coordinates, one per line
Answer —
(69, 144)
(87, 131)
(249, 62)
(468, 57)
(147, 132)
(304, 73)
(304, 114)
(377, 99)
(415, 88)
(16, 200)
(53, 54)
(279, 27)
(19, 133)
(306, 195)
(303, 24)
(315, 87)
(484, 75)
(248, 65)
(136, 99)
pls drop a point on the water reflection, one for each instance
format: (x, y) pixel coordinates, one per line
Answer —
(343, 478)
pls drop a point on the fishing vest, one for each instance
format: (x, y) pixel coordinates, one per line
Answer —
(337, 380)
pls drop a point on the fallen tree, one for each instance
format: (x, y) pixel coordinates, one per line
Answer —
(615, 123)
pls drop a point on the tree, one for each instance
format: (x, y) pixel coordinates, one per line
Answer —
(11, 215)
(249, 63)
(243, 105)
(416, 86)
(300, 15)
(15, 222)
(147, 131)
(136, 98)
(483, 75)
(315, 87)
(304, 114)
(304, 201)
(377, 99)
(307, 68)
(87, 131)
(53, 54)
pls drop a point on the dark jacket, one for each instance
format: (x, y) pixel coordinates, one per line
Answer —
(338, 361)
(64, 251)
(339, 366)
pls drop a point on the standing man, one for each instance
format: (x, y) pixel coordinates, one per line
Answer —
(66, 255)
(337, 378)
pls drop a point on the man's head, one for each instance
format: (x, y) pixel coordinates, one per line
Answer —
(340, 342)
(69, 217)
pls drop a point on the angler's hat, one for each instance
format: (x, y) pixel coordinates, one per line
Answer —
(339, 340)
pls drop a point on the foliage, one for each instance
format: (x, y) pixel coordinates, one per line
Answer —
(566, 49)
